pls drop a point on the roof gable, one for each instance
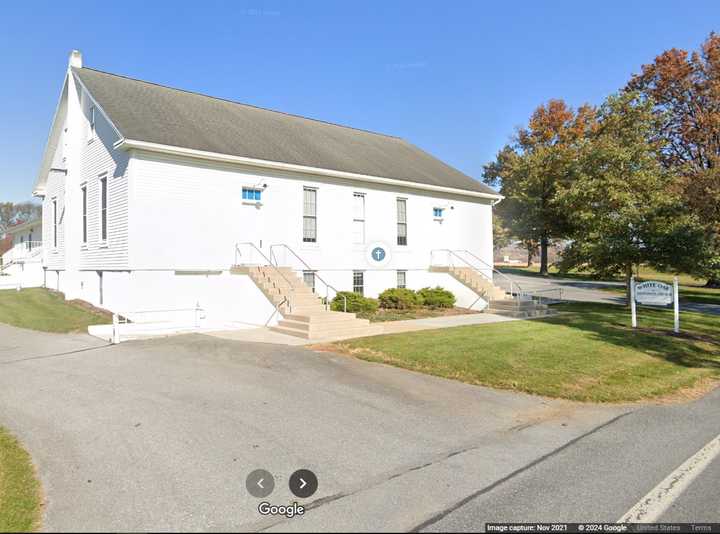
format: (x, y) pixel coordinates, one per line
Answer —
(152, 113)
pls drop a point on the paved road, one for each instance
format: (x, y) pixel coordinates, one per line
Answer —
(160, 435)
(603, 475)
(592, 291)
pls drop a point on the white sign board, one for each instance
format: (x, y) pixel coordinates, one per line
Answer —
(654, 293)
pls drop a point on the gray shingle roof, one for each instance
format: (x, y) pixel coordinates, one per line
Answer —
(144, 111)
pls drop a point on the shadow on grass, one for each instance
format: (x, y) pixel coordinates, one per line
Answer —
(697, 346)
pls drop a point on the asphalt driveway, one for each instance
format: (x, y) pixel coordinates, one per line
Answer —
(160, 435)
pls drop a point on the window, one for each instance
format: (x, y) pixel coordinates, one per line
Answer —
(401, 221)
(438, 212)
(103, 208)
(92, 122)
(55, 223)
(402, 279)
(359, 282)
(309, 279)
(250, 193)
(309, 215)
(84, 214)
(358, 218)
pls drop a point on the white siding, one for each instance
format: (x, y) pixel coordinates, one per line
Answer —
(189, 215)
(55, 190)
(99, 158)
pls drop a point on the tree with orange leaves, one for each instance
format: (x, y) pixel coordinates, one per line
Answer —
(530, 170)
(685, 91)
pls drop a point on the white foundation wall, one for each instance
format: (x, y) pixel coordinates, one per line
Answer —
(23, 275)
(27, 274)
(166, 296)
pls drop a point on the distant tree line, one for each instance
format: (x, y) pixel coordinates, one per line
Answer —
(635, 180)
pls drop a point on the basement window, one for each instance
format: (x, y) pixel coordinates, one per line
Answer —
(359, 282)
(309, 279)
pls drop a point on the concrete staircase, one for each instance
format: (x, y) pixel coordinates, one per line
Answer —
(499, 302)
(304, 314)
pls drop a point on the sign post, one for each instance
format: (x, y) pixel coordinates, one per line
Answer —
(633, 306)
(676, 305)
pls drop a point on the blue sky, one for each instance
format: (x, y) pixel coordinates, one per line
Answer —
(455, 78)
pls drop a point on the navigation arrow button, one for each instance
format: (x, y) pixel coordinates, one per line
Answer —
(260, 483)
(303, 483)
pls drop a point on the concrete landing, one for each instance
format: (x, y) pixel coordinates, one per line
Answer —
(265, 335)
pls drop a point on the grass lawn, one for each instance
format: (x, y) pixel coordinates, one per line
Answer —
(19, 489)
(40, 309)
(587, 353)
(691, 289)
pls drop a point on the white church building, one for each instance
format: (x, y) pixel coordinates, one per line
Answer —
(159, 200)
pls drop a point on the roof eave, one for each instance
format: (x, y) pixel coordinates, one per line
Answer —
(130, 144)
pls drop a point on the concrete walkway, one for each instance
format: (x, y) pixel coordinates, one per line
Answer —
(265, 335)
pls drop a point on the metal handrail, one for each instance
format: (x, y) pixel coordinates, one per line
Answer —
(291, 289)
(537, 294)
(7, 265)
(317, 276)
(119, 318)
(514, 293)
(495, 271)
(26, 249)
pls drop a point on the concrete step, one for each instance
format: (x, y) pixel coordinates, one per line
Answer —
(296, 298)
(303, 309)
(520, 314)
(292, 281)
(513, 304)
(325, 329)
(517, 314)
(272, 288)
(324, 315)
(492, 294)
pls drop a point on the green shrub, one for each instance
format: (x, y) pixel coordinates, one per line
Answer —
(355, 303)
(436, 297)
(399, 299)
